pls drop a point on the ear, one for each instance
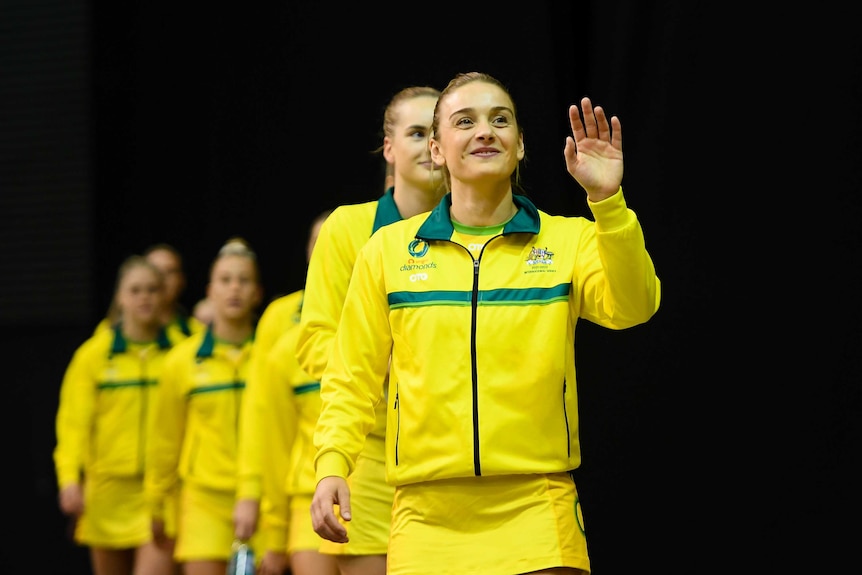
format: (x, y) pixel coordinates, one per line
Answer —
(387, 150)
(436, 153)
(521, 149)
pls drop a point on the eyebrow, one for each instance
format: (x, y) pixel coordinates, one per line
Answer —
(473, 110)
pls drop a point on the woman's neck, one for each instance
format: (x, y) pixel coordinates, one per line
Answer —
(232, 331)
(413, 200)
(141, 332)
(168, 315)
(477, 207)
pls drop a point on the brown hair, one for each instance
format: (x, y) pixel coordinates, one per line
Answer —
(165, 247)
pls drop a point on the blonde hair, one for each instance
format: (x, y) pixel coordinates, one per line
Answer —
(389, 117)
(237, 246)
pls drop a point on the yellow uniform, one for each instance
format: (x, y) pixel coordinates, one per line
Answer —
(264, 441)
(477, 335)
(194, 443)
(290, 410)
(341, 237)
(105, 404)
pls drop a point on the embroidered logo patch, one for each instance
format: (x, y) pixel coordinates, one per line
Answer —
(540, 256)
(417, 248)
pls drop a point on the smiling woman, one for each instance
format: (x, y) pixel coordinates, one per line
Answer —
(456, 338)
(416, 188)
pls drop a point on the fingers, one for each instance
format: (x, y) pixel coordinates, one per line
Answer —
(594, 123)
(245, 519)
(323, 518)
(578, 132)
(617, 133)
(243, 531)
(601, 122)
(344, 501)
(327, 526)
(589, 117)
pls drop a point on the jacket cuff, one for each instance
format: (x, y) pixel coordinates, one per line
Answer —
(611, 213)
(329, 464)
(249, 488)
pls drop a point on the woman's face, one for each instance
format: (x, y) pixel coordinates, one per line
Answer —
(478, 137)
(233, 288)
(140, 296)
(172, 271)
(407, 147)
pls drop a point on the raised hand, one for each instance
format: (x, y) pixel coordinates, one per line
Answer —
(594, 151)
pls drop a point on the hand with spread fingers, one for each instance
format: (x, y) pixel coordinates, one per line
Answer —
(594, 151)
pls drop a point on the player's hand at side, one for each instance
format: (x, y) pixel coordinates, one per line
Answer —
(331, 492)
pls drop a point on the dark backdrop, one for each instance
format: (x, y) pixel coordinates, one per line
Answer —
(718, 436)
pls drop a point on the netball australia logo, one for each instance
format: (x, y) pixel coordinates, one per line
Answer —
(418, 248)
(416, 265)
(540, 256)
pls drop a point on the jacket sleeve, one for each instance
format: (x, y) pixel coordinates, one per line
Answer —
(166, 433)
(329, 272)
(252, 436)
(615, 275)
(250, 442)
(276, 413)
(74, 418)
(353, 381)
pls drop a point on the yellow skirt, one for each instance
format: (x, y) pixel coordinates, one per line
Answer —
(487, 526)
(301, 534)
(371, 504)
(205, 528)
(115, 513)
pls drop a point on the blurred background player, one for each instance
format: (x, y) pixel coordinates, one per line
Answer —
(200, 394)
(104, 411)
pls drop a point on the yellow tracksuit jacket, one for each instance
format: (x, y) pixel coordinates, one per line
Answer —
(267, 423)
(198, 406)
(342, 235)
(105, 403)
(288, 410)
(482, 377)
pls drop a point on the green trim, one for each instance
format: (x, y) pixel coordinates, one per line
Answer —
(306, 388)
(183, 323)
(122, 384)
(387, 211)
(208, 343)
(438, 224)
(119, 345)
(218, 387)
(508, 296)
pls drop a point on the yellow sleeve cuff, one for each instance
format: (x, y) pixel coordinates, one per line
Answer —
(612, 213)
(249, 488)
(331, 463)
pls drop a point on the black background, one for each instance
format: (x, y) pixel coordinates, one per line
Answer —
(720, 436)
